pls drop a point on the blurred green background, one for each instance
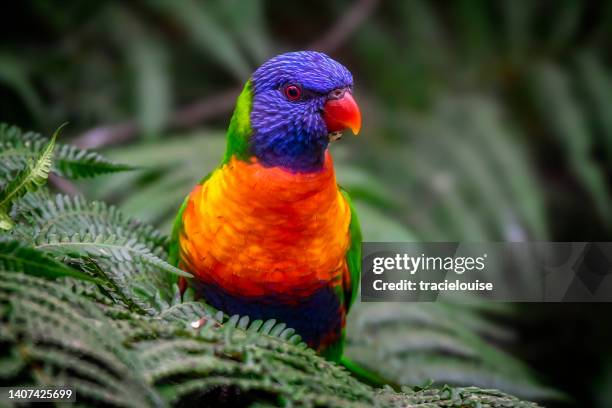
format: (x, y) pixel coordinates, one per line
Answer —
(483, 121)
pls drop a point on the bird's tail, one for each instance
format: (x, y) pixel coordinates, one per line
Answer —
(364, 375)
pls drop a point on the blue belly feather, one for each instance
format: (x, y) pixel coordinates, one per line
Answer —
(315, 318)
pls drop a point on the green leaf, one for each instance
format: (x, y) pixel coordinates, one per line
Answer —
(120, 249)
(18, 148)
(68, 215)
(6, 223)
(16, 256)
(75, 163)
(28, 179)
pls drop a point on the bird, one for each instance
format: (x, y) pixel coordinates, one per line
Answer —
(269, 233)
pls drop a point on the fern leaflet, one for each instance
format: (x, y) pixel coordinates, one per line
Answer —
(29, 179)
(17, 147)
(120, 249)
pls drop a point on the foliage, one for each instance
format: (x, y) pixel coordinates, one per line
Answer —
(87, 300)
(130, 360)
(29, 178)
(450, 343)
(69, 161)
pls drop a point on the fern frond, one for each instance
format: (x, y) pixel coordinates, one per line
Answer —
(420, 341)
(17, 147)
(135, 360)
(28, 179)
(105, 246)
(70, 338)
(188, 313)
(68, 215)
(451, 397)
(14, 255)
(75, 163)
(126, 254)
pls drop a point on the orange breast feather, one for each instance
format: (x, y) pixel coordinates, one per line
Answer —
(254, 230)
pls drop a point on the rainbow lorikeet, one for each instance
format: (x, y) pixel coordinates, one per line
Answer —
(269, 234)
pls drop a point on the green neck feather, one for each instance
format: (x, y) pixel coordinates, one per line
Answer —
(239, 129)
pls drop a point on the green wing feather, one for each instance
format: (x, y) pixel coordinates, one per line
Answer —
(173, 250)
(353, 256)
(349, 290)
(353, 259)
(177, 227)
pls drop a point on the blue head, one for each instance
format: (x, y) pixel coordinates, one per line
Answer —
(299, 99)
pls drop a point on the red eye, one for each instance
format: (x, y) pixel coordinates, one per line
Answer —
(293, 92)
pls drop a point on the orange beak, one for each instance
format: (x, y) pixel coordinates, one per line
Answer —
(342, 113)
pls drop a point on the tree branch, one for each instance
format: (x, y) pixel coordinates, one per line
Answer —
(63, 185)
(185, 117)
